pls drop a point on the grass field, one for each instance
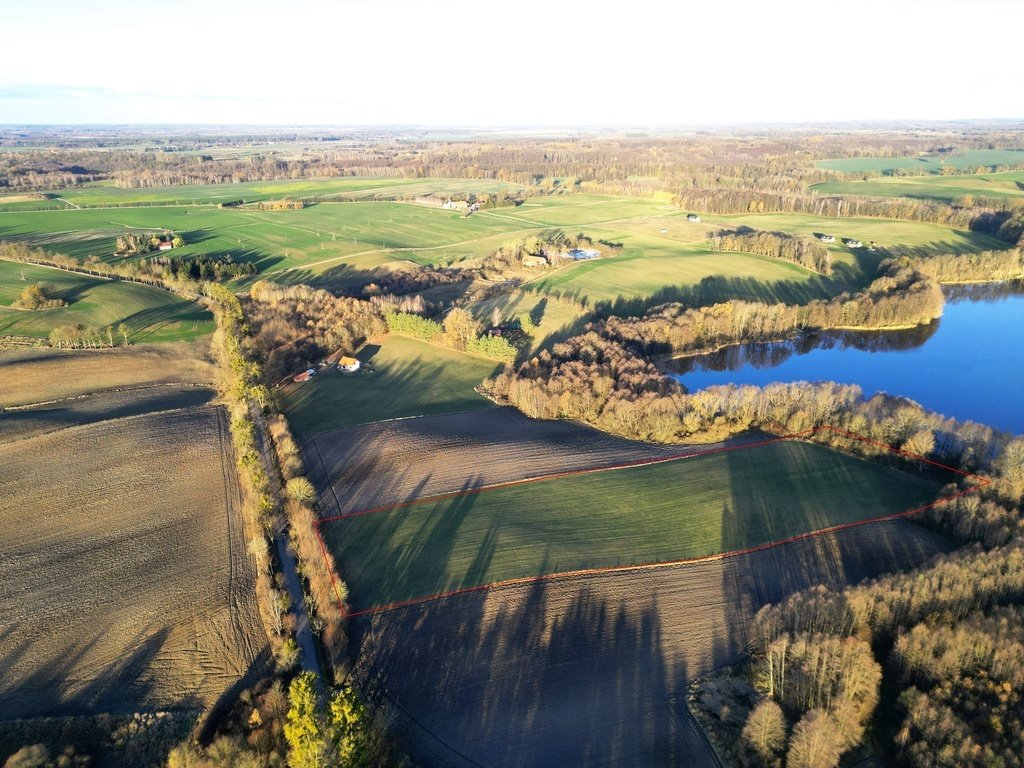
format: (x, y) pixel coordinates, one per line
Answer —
(944, 188)
(684, 509)
(107, 194)
(346, 245)
(150, 314)
(400, 377)
(656, 267)
(927, 163)
(647, 271)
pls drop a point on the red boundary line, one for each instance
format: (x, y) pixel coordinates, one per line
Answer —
(641, 566)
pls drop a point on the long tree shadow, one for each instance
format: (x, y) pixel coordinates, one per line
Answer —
(542, 675)
(831, 560)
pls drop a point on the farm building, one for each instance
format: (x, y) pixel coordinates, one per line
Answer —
(828, 238)
(349, 364)
(852, 243)
(304, 376)
(165, 245)
(692, 217)
(529, 260)
(583, 254)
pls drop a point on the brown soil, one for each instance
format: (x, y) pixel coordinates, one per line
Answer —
(126, 580)
(39, 375)
(593, 671)
(21, 422)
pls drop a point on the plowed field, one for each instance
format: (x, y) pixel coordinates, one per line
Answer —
(126, 580)
(593, 671)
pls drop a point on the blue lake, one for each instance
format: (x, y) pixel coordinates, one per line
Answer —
(967, 365)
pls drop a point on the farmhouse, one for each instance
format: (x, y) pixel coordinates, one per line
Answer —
(165, 245)
(692, 217)
(828, 238)
(349, 364)
(304, 376)
(530, 260)
(853, 243)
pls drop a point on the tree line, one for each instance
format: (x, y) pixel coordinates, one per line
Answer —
(983, 266)
(777, 245)
(458, 330)
(1006, 222)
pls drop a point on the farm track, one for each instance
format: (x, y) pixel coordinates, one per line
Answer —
(136, 594)
(500, 678)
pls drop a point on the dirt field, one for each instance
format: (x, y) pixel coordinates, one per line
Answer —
(21, 422)
(400, 460)
(38, 375)
(127, 583)
(592, 671)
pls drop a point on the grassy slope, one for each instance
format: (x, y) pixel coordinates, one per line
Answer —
(404, 377)
(150, 314)
(689, 508)
(927, 164)
(944, 188)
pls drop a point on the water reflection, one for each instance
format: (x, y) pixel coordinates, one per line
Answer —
(969, 364)
(773, 353)
(956, 294)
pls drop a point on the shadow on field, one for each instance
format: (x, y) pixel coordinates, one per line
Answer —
(713, 290)
(57, 689)
(593, 671)
(146, 321)
(534, 681)
(342, 278)
(419, 559)
(833, 560)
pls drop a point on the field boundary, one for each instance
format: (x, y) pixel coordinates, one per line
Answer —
(980, 482)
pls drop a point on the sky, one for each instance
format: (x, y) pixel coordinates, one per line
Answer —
(522, 63)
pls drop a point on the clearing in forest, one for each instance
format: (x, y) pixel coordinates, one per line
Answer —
(702, 505)
(399, 378)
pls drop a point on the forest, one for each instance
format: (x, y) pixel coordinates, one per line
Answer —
(947, 641)
(777, 245)
(641, 163)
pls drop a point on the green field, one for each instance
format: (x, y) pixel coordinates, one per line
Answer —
(346, 245)
(943, 188)
(107, 194)
(927, 163)
(682, 509)
(401, 377)
(150, 314)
